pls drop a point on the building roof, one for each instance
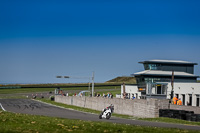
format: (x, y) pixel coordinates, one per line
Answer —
(164, 73)
(169, 62)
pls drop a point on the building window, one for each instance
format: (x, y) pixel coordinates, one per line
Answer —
(156, 89)
(151, 66)
(146, 66)
(152, 80)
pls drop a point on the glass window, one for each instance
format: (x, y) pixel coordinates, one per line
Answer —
(146, 66)
(152, 66)
(164, 89)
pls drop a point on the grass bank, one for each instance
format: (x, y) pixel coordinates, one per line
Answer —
(23, 123)
(171, 120)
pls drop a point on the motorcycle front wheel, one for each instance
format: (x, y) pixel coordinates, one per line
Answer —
(108, 116)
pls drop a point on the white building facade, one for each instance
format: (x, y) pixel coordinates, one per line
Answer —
(188, 92)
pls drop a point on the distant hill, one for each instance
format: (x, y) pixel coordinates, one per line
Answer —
(131, 80)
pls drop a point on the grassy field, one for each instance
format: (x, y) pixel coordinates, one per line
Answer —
(24, 90)
(55, 85)
(22, 123)
(32, 90)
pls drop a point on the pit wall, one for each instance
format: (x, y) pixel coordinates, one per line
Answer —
(144, 108)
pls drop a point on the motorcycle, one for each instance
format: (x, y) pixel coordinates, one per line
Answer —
(106, 113)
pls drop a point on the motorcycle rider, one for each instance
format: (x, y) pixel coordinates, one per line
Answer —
(111, 107)
(106, 112)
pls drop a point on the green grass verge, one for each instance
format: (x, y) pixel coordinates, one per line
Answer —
(24, 90)
(13, 97)
(23, 123)
(170, 120)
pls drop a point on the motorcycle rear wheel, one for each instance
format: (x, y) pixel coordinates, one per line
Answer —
(100, 116)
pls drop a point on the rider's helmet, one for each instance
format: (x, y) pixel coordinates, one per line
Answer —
(111, 106)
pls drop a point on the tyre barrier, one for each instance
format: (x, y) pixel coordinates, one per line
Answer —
(179, 114)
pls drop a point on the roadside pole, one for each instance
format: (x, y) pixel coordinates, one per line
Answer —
(92, 84)
(172, 84)
(83, 77)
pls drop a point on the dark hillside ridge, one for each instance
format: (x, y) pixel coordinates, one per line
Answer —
(123, 79)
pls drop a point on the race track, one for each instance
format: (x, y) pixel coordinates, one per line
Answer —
(27, 106)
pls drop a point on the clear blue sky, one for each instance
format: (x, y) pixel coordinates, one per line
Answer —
(42, 39)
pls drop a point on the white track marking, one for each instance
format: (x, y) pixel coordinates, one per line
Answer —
(2, 107)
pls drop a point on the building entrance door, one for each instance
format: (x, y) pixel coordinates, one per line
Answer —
(197, 101)
(177, 96)
(158, 89)
(183, 99)
(190, 100)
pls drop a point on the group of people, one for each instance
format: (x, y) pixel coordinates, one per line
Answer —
(177, 101)
(127, 96)
(97, 94)
(109, 95)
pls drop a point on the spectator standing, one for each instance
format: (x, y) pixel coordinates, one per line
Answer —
(108, 95)
(133, 98)
(111, 95)
(179, 102)
(175, 99)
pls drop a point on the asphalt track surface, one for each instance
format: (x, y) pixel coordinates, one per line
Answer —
(28, 106)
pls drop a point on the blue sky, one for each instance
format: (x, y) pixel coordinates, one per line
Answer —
(42, 39)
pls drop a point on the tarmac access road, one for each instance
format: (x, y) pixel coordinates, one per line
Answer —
(28, 106)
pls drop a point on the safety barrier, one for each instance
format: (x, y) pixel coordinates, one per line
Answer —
(138, 107)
